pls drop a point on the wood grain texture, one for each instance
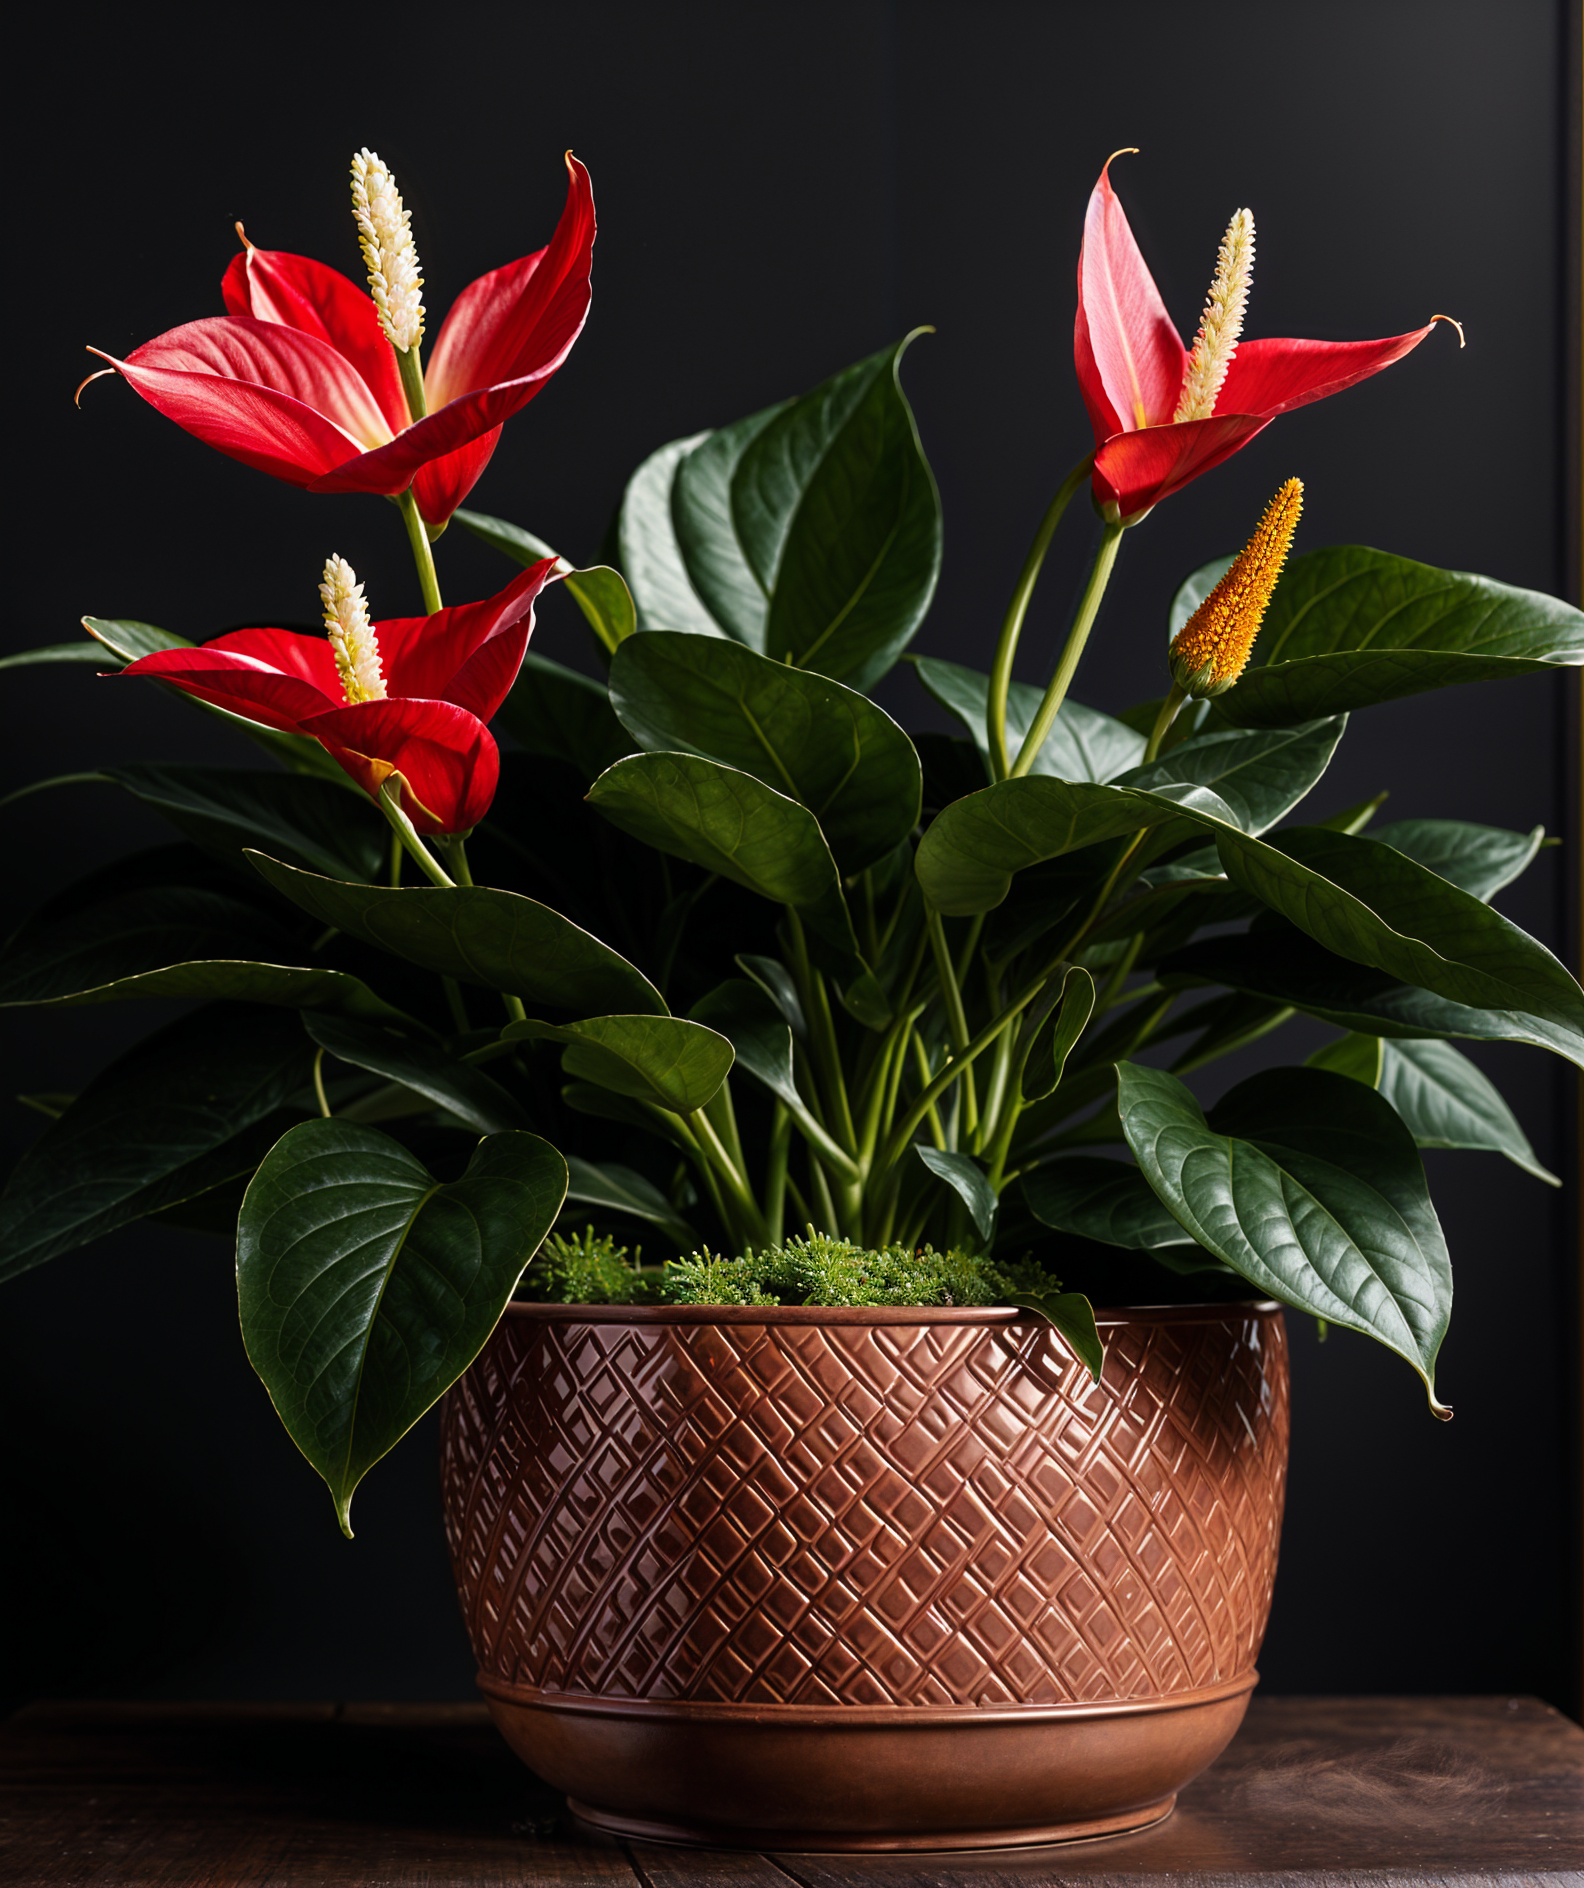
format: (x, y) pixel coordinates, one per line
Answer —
(1313, 1793)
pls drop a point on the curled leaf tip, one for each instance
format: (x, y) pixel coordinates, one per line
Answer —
(1452, 322)
(1127, 150)
(243, 235)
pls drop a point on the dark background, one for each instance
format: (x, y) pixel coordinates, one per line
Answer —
(782, 189)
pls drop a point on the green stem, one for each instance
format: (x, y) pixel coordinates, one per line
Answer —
(318, 1082)
(775, 1186)
(411, 371)
(1088, 607)
(423, 556)
(459, 1015)
(956, 1016)
(1168, 714)
(736, 1185)
(1012, 626)
(407, 833)
(822, 1030)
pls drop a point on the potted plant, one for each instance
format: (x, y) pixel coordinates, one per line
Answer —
(855, 1523)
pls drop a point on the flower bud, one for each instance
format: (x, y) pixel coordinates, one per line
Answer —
(1210, 651)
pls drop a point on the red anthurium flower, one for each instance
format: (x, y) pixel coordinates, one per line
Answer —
(300, 380)
(402, 701)
(1162, 415)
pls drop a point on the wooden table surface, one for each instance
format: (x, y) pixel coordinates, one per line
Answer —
(1312, 1791)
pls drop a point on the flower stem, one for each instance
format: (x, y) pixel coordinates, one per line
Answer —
(956, 1017)
(411, 371)
(407, 833)
(1168, 714)
(1077, 636)
(319, 1087)
(423, 556)
(1017, 609)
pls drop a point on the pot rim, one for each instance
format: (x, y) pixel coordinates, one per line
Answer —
(991, 1316)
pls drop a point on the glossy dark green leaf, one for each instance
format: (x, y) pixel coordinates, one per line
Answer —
(479, 935)
(1282, 966)
(554, 711)
(318, 824)
(664, 1060)
(753, 1023)
(599, 591)
(173, 1117)
(173, 941)
(366, 1287)
(809, 532)
(129, 639)
(800, 733)
(83, 652)
(1059, 1019)
(777, 983)
(1261, 775)
(1349, 626)
(1108, 1200)
(1073, 1317)
(1443, 1098)
(618, 1189)
(731, 823)
(402, 1055)
(1481, 859)
(1082, 745)
(967, 1180)
(1310, 1186)
(1368, 902)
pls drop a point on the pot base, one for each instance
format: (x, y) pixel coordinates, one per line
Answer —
(912, 1841)
(867, 1779)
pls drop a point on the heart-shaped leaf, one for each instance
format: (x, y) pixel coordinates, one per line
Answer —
(478, 934)
(666, 1061)
(1310, 1186)
(1058, 1019)
(1349, 626)
(1443, 1098)
(187, 1108)
(1083, 744)
(809, 532)
(366, 1287)
(800, 733)
(1108, 1200)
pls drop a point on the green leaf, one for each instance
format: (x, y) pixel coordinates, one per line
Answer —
(777, 983)
(967, 1179)
(482, 936)
(1350, 626)
(1082, 745)
(128, 639)
(1366, 901)
(1443, 1098)
(1073, 1316)
(809, 532)
(1059, 1018)
(317, 824)
(753, 1023)
(1310, 1186)
(731, 823)
(424, 1067)
(1282, 966)
(53, 652)
(1481, 859)
(664, 1060)
(802, 734)
(172, 941)
(1260, 776)
(554, 711)
(1108, 1200)
(178, 1114)
(366, 1287)
(598, 591)
(619, 1190)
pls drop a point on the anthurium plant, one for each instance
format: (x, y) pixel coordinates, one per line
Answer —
(716, 958)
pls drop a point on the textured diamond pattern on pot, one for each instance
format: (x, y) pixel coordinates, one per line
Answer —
(899, 1514)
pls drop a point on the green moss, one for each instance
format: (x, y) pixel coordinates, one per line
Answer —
(587, 1271)
(820, 1270)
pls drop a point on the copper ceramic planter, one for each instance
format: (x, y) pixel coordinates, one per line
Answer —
(874, 1579)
